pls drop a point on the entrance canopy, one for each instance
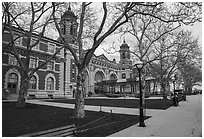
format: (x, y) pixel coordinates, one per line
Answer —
(107, 82)
(122, 81)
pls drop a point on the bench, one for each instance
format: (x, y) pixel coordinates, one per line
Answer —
(64, 131)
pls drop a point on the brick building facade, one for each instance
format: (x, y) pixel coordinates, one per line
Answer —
(58, 77)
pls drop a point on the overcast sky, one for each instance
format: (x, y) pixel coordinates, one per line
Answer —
(196, 30)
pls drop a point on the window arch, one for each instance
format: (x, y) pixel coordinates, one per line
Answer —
(50, 83)
(113, 77)
(99, 76)
(12, 71)
(33, 83)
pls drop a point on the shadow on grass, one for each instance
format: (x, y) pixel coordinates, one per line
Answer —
(34, 118)
(107, 126)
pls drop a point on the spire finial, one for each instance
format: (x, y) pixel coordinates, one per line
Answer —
(69, 8)
(123, 39)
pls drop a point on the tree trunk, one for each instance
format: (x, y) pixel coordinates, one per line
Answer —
(189, 90)
(154, 88)
(79, 97)
(22, 93)
(163, 90)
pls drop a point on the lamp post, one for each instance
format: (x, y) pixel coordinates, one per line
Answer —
(173, 78)
(184, 93)
(139, 66)
(65, 55)
(175, 98)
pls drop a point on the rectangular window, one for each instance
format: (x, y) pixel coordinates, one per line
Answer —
(49, 86)
(123, 76)
(73, 75)
(51, 48)
(17, 40)
(50, 65)
(24, 41)
(33, 62)
(12, 60)
(73, 66)
(73, 70)
(32, 42)
(32, 86)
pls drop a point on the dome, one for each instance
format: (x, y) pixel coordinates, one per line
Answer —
(124, 45)
(69, 14)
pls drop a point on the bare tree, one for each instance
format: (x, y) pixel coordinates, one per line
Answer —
(83, 59)
(191, 74)
(125, 11)
(13, 20)
(183, 47)
(153, 24)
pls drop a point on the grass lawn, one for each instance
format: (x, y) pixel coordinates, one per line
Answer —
(125, 103)
(34, 118)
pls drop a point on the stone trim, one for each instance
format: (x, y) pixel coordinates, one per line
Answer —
(13, 70)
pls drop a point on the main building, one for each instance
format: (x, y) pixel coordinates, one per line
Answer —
(58, 77)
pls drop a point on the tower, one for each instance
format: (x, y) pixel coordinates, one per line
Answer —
(124, 54)
(68, 25)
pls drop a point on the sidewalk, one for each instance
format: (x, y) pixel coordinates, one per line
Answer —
(182, 121)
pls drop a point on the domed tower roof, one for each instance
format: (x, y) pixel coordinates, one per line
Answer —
(69, 14)
(124, 45)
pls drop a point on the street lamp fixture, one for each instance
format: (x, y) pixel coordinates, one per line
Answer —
(139, 66)
(174, 78)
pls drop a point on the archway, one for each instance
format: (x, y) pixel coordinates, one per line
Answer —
(99, 76)
(12, 71)
(112, 83)
(113, 77)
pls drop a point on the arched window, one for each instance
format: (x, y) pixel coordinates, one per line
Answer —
(113, 77)
(99, 76)
(50, 83)
(33, 83)
(123, 55)
(12, 82)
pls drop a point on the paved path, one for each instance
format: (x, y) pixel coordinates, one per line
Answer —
(182, 121)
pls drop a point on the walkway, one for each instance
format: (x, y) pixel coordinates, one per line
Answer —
(182, 121)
